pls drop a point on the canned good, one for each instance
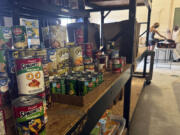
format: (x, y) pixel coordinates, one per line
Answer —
(43, 96)
(2, 61)
(29, 115)
(2, 123)
(62, 57)
(30, 77)
(76, 56)
(115, 54)
(83, 86)
(78, 68)
(79, 36)
(117, 65)
(51, 59)
(5, 37)
(19, 37)
(88, 60)
(4, 84)
(89, 67)
(71, 86)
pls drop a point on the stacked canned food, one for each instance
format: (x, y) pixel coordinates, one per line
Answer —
(76, 83)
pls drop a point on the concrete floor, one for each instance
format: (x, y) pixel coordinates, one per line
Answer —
(158, 109)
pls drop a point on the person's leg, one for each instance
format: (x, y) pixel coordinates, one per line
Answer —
(153, 46)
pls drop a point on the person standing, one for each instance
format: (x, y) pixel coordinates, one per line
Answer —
(176, 38)
(152, 40)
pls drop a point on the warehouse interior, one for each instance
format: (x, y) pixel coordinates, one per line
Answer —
(89, 67)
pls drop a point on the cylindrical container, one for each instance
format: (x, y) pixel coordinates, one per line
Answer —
(29, 115)
(76, 56)
(19, 37)
(115, 54)
(88, 60)
(71, 86)
(79, 36)
(43, 96)
(4, 84)
(2, 123)
(3, 61)
(89, 67)
(89, 49)
(83, 86)
(117, 65)
(30, 77)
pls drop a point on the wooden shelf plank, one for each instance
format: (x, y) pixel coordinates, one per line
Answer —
(63, 117)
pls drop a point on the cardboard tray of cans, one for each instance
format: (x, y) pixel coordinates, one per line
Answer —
(71, 99)
(83, 87)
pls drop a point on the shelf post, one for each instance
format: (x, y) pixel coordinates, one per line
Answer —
(147, 40)
(102, 30)
(127, 94)
(86, 30)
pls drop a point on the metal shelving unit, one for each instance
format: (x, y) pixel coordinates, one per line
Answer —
(47, 15)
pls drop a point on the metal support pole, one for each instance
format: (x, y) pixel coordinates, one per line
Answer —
(127, 96)
(148, 25)
(102, 32)
(85, 29)
(127, 93)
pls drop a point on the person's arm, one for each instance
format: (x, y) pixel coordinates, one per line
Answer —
(160, 34)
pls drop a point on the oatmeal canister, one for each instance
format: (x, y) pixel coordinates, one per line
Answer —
(19, 37)
(29, 115)
(30, 77)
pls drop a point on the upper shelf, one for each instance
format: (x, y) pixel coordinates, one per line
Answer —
(115, 4)
(38, 8)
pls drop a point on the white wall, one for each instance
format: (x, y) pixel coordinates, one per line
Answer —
(162, 12)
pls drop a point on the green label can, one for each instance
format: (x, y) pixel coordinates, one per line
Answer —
(83, 86)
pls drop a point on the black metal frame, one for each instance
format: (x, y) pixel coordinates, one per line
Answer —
(93, 115)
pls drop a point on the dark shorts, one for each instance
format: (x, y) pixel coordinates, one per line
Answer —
(151, 43)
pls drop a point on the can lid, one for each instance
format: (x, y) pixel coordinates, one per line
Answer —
(26, 101)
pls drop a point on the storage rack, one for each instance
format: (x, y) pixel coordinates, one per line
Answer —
(87, 116)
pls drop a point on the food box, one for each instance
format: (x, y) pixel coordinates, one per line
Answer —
(32, 29)
(5, 38)
(58, 36)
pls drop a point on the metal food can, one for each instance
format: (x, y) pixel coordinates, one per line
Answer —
(62, 56)
(88, 60)
(78, 68)
(71, 86)
(30, 77)
(2, 123)
(115, 54)
(117, 65)
(90, 83)
(19, 37)
(51, 59)
(89, 67)
(76, 56)
(29, 115)
(83, 86)
(4, 84)
(2, 61)
(53, 87)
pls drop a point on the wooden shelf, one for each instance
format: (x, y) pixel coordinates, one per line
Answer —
(62, 118)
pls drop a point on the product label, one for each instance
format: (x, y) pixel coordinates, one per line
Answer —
(5, 38)
(76, 55)
(19, 37)
(3, 85)
(30, 119)
(2, 124)
(30, 76)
